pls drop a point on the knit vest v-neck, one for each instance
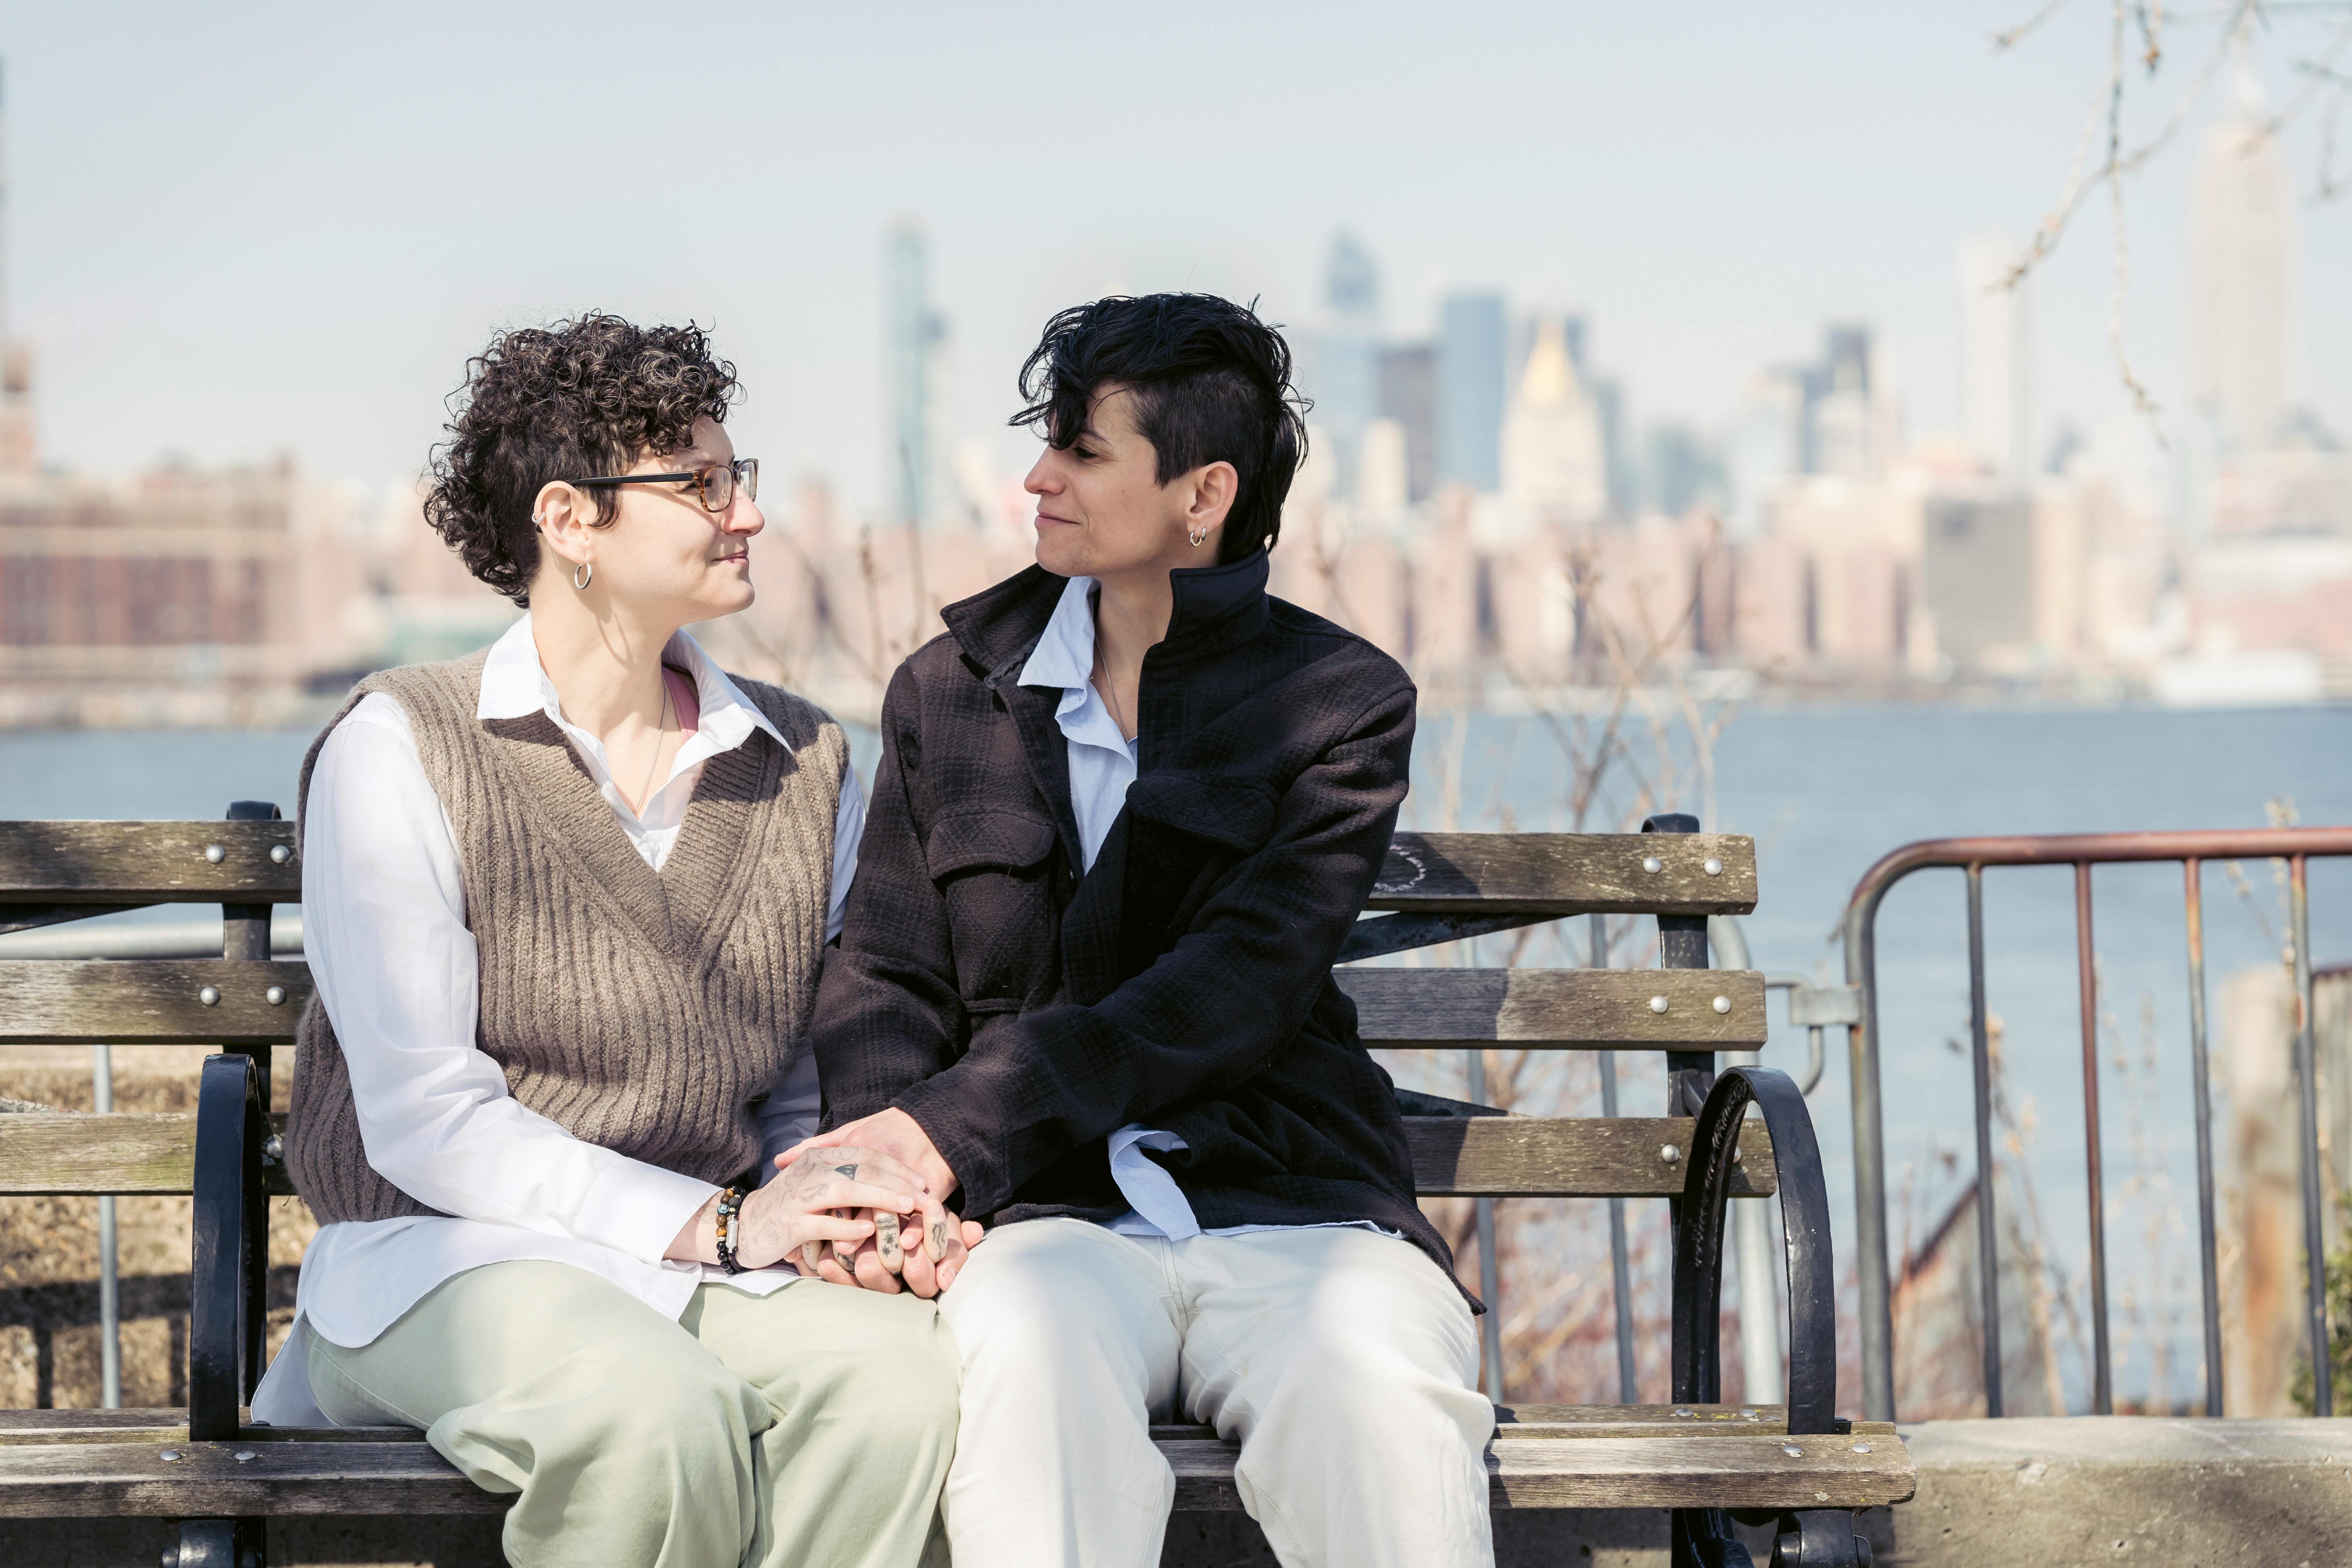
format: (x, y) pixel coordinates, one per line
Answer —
(639, 1010)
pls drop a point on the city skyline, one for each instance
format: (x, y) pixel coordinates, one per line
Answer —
(1714, 232)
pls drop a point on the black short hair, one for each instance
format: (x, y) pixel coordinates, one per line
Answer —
(585, 398)
(1212, 383)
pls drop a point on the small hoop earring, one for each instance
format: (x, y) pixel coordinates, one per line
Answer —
(1198, 536)
(583, 574)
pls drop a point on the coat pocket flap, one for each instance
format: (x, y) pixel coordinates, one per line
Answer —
(1229, 812)
(970, 840)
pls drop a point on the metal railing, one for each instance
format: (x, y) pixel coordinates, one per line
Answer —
(2297, 846)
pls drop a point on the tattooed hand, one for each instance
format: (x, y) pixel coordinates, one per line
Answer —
(827, 1195)
(931, 1252)
(927, 1256)
(892, 1132)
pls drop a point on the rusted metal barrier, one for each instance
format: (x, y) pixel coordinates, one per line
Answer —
(2297, 846)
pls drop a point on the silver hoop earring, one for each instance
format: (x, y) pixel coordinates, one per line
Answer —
(1198, 536)
(583, 574)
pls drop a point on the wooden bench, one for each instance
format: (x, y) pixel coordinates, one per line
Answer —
(1795, 1464)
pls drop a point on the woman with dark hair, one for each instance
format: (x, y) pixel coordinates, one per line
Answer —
(1127, 810)
(564, 900)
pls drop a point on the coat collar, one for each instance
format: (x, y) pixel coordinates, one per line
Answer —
(1217, 608)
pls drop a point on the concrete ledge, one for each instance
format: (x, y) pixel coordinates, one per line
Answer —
(2247, 1493)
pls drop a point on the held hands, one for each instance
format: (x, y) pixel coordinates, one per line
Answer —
(829, 1196)
(882, 1252)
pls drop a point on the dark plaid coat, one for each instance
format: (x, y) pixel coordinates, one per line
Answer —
(1021, 1012)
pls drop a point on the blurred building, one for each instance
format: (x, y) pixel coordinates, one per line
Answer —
(1978, 579)
(1344, 362)
(918, 455)
(1471, 376)
(1409, 398)
(1554, 467)
(1997, 413)
(2242, 328)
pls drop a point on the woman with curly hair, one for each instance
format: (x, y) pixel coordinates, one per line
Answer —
(564, 901)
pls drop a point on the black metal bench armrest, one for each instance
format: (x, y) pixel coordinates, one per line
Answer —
(1701, 1538)
(1805, 1217)
(226, 1256)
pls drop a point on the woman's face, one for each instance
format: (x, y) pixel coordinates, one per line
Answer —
(1101, 509)
(666, 557)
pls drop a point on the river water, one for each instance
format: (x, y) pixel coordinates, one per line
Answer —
(1825, 792)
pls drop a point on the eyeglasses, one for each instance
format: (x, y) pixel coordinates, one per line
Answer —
(715, 482)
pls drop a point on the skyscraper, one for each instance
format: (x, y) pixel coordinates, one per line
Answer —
(1409, 396)
(1554, 470)
(1470, 391)
(1768, 444)
(2242, 275)
(916, 454)
(16, 358)
(1344, 371)
(1996, 358)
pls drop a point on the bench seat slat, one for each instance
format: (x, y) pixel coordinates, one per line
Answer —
(150, 1001)
(101, 862)
(1568, 874)
(154, 1153)
(170, 1425)
(1559, 1009)
(56, 1480)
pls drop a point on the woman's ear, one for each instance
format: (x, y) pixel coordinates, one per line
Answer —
(1214, 488)
(566, 520)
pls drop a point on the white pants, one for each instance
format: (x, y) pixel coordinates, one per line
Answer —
(1342, 1361)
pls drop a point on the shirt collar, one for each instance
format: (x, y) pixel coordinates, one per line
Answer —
(514, 684)
(1065, 655)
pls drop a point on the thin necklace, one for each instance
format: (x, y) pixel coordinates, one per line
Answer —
(1110, 701)
(646, 794)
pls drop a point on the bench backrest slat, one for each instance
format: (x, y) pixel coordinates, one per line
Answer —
(1575, 1157)
(1567, 873)
(1594, 1009)
(150, 1001)
(155, 1153)
(147, 863)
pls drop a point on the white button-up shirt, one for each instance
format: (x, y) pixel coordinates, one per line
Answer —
(1102, 764)
(383, 910)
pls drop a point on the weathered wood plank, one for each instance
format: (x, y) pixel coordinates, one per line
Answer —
(1569, 873)
(1581, 1421)
(1559, 1009)
(130, 1153)
(1581, 1157)
(153, 1153)
(169, 1425)
(142, 1153)
(1656, 1420)
(147, 863)
(1635, 1472)
(1700, 1472)
(251, 1476)
(150, 1001)
(84, 1479)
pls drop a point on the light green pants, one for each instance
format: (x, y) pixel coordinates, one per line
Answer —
(811, 1427)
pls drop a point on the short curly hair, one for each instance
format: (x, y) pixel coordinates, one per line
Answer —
(585, 397)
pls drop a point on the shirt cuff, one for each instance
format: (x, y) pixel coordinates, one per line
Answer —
(639, 1210)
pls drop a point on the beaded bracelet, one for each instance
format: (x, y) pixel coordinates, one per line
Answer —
(730, 1204)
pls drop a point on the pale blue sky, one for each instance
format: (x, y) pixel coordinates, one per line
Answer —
(236, 231)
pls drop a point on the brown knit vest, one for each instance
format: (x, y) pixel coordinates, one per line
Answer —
(640, 1010)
